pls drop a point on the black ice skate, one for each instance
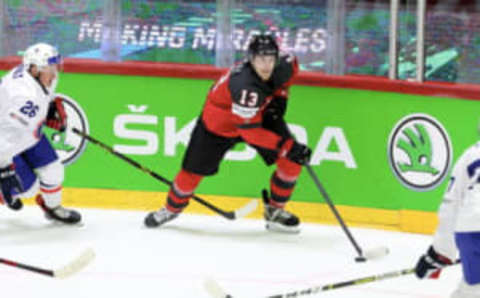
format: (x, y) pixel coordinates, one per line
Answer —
(278, 219)
(158, 218)
(16, 205)
(59, 213)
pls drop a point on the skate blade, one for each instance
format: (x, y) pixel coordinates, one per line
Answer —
(58, 223)
(279, 228)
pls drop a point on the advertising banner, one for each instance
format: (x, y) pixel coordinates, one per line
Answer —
(370, 149)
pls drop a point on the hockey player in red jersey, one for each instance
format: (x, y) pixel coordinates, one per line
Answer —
(247, 104)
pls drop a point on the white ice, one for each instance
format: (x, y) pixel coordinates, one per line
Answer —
(173, 261)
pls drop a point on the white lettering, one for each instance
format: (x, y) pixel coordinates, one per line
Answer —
(129, 35)
(344, 154)
(137, 109)
(204, 39)
(177, 37)
(150, 138)
(91, 31)
(238, 35)
(319, 43)
(302, 41)
(143, 35)
(158, 38)
(173, 138)
(299, 132)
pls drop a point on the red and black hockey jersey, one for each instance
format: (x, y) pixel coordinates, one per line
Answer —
(235, 104)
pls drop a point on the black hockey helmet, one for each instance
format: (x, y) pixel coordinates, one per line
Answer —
(262, 45)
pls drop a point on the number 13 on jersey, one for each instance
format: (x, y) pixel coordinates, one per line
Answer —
(249, 99)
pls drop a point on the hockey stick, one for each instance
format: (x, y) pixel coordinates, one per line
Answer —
(362, 256)
(215, 291)
(73, 267)
(241, 212)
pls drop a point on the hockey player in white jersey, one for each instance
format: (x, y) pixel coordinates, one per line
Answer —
(28, 162)
(459, 227)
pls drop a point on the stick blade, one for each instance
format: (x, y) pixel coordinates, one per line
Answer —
(376, 252)
(76, 265)
(247, 209)
(214, 289)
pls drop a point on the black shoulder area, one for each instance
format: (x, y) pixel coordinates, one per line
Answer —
(242, 77)
(284, 70)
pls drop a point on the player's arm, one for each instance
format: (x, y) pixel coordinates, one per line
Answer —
(277, 107)
(247, 116)
(255, 134)
(443, 250)
(443, 240)
(288, 69)
(246, 111)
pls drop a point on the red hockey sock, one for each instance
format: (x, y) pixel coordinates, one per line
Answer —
(181, 190)
(283, 182)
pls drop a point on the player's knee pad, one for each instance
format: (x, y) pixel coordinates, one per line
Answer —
(287, 169)
(187, 181)
(51, 174)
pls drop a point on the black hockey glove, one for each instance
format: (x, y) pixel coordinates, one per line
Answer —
(294, 151)
(430, 264)
(299, 153)
(9, 181)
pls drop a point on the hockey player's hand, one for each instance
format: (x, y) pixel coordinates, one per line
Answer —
(430, 264)
(56, 116)
(295, 152)
(9, 181)
(299, 153)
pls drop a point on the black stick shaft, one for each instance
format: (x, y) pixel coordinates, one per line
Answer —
(334, 210)
(27, 267)
(226, 214)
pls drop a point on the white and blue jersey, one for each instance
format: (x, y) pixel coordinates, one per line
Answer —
(23, 108)
(459, 215)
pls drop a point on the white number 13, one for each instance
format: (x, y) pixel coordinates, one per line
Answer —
(249, 99)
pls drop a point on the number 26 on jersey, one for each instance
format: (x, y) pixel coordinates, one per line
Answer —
(29, 109)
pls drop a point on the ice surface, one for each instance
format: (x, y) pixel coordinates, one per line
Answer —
(173, 261)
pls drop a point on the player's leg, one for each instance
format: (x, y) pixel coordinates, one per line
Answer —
(50, 172)
(28, 181)
(50, 197)
(276, 124)
(204, 153)
(468, 244)
(282, 184)
(177, 199)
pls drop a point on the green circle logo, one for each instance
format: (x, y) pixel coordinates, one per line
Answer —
(419, 152)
